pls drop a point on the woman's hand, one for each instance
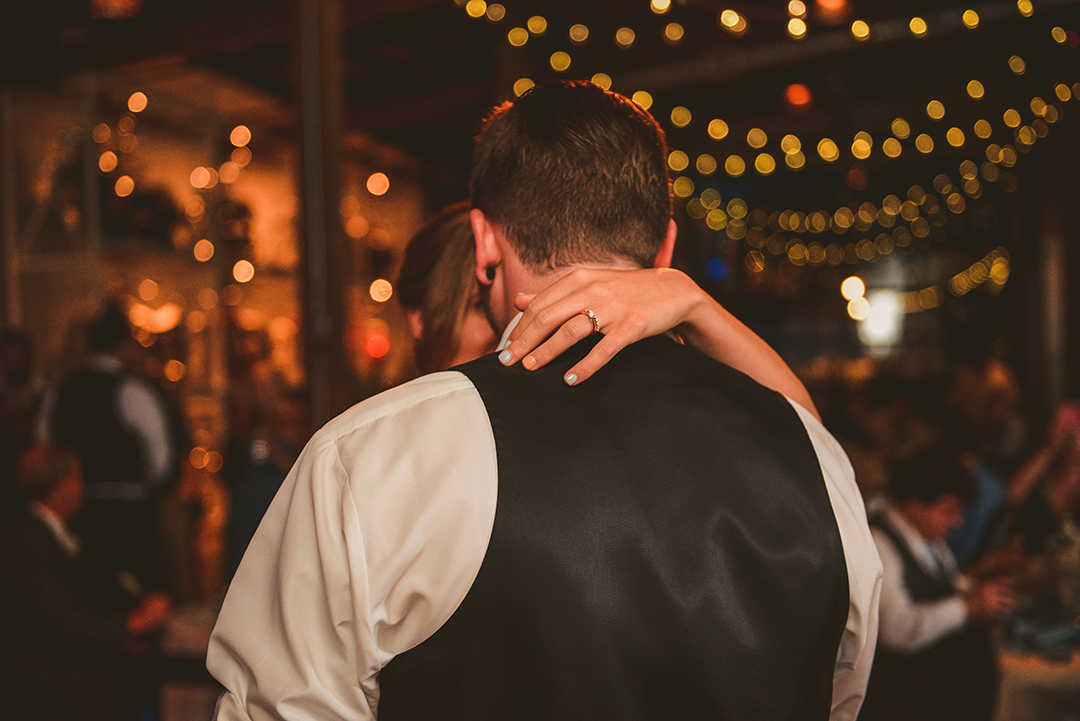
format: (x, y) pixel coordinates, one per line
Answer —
(634, 304)
(629, 305)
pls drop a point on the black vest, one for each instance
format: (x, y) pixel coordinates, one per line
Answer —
(923, 587)
(664, 547)
(86, 420)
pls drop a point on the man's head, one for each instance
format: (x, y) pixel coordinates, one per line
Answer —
(108, 330)
(931, 490)
(569, 174)
(51, 475)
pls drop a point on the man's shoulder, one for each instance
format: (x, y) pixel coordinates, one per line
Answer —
(410, 400)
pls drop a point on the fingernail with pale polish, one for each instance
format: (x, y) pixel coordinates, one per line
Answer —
(506, 357)
(529, 362)
(570, 378)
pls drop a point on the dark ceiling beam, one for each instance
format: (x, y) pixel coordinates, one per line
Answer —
(408, 113)
(228, 29)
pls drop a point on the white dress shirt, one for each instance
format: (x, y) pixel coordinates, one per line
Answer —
(376, 537)
(908, 627)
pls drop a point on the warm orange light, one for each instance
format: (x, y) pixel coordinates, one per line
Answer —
(197, 457)
(241, 156)
(200, 177)
(108, 161)
(125, 185)
(243, 271)
(240, 136)
(357, 226)
(137, 102)
(832, 11)
(378, 184)
(798, 95)
(230, 172)
(204, 250)
(175, 371)
(381, 290)
(377, 345)
(148, 289)
(115, 9)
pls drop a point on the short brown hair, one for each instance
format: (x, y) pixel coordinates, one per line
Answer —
(39, 469)
(438, 279)
(573, 173)
(931, 474)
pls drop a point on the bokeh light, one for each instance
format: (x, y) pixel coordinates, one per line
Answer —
(204, 250)
(137, 102)
(240, 136)
(380, 290)
(378, 184)
(125, 186)
(243, 271)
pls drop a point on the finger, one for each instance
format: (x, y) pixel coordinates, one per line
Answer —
(597, 358)
(539, 306)
(522, 300)
(562, 313)
(567, 336)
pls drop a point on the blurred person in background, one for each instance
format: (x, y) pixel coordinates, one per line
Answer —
(63, 652)
(1045, 489)
(119, 427)
(934, 658)
(262, 448)
(21, 392)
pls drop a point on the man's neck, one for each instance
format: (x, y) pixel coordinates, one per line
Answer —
(520, 279)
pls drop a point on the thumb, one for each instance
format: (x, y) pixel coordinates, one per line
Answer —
(522, 300)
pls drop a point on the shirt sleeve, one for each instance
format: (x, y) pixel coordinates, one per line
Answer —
(856, 652)
(906, 626)
(143, 413)
(372, 542)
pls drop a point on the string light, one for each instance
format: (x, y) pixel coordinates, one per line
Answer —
(518, 37)
(560, 61)
(521, 85)
(673, 33)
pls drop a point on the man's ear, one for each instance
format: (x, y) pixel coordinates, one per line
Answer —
(487, 249)
(667, 248)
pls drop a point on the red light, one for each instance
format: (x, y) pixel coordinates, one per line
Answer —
(832, 11)
(856, 179)
(1072, 39)
(377, 345)
(798, 95)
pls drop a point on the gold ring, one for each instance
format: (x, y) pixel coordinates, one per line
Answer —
(595, 321)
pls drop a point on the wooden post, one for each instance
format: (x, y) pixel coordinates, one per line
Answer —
(323, 240)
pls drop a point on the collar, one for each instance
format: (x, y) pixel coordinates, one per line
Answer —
(930, 556)
(104, 362)
(505, 340)
(67, 540)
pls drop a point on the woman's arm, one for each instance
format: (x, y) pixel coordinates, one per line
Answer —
(635, 304)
